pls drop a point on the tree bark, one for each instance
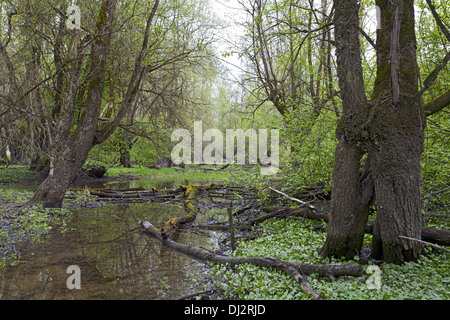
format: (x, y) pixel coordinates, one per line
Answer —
(397, 136)
(390, 132)
(349, 208)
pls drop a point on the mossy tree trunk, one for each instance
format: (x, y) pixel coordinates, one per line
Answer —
(75, 151)
(349, 210)
(388, 129)
(397, 135)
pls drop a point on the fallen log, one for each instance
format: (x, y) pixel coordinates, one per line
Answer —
(436, 235)
(190, 216)
(297, 270)
(426, 243)
(314, 214)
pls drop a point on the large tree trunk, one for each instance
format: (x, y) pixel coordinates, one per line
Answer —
(390, 133)
(349, 204)
(75, 151)
(397, 134)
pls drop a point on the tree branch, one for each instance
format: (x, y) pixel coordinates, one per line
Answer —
(433, 75)
(437, 104)
(438, 20)
(133, 86)
(443, 100)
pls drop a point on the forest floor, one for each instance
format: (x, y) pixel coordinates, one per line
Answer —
(289, 238)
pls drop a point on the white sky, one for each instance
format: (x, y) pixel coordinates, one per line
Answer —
(232, 13)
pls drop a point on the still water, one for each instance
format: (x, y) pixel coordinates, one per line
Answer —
(116, 260)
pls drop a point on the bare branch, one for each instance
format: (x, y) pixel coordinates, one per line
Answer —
(426, 243)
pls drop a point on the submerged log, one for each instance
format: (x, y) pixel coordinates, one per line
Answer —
(295, 269)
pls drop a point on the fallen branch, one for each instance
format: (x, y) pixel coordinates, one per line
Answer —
(294, 269)
(426, 243)
(314, 214)
(302, 203)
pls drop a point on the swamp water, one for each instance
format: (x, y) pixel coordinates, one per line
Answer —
(116, 259)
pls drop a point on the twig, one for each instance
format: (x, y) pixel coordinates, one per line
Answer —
(435, 192)
(303, 203)
(426, 243)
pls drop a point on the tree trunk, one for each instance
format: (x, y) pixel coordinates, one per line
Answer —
(125, 159)
(74, 153)
(397, 134)
(349, 208)
(390, 133)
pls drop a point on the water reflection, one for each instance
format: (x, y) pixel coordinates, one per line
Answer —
(116, 260)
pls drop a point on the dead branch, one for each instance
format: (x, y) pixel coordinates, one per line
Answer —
(307, 205)
(426, 243)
